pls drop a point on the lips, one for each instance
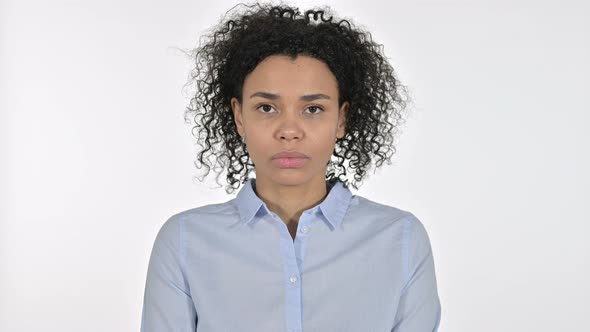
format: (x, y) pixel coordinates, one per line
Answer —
(289, 159)
(289, 154)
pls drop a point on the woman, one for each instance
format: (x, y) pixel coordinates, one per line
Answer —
(280, 93)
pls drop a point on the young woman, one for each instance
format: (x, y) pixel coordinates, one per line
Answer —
(292, 97)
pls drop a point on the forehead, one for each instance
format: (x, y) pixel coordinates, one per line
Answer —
(279, 73)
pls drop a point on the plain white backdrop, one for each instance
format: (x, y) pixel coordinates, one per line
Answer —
(494, 159)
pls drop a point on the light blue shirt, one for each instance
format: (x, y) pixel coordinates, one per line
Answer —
(354, 265)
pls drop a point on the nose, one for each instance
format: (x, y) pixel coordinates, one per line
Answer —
(289, 127)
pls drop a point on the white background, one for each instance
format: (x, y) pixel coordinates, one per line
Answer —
(95, 154)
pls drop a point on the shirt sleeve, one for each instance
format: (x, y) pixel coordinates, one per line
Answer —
(167, 303)
(419, 308)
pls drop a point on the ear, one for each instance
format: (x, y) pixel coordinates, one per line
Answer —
(341, 130)
(237, 111)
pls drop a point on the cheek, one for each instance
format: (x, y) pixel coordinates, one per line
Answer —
(256, 141)
(324, 143)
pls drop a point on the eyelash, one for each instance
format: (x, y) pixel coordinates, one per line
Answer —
(315, 106)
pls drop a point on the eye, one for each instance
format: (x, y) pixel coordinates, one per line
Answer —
(265, 107)
(317, 108)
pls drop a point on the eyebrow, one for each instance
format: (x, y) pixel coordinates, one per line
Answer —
(311, 97)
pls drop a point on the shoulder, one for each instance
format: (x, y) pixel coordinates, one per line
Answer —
(178, 221)
(362, 208)
(205, 212)
(373, 210)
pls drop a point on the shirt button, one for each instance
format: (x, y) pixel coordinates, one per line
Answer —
(304, 229)
(293, 279)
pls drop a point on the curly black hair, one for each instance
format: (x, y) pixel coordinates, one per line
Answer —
(233, 48)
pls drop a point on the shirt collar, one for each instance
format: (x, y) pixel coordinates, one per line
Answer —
(333, 207)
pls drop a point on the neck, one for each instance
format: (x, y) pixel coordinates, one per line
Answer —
(289, 201)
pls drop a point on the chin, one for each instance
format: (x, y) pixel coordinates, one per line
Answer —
(290, 179)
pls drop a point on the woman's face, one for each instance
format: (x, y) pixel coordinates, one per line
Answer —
(290, 105)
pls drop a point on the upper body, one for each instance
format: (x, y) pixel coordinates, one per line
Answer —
(354, 265)
(298, 101)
